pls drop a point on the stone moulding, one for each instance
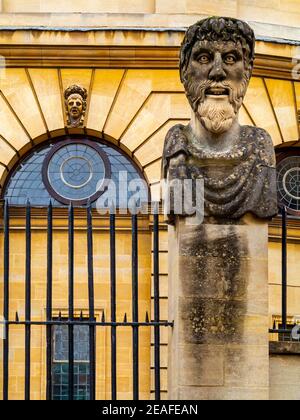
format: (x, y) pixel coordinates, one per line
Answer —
(127, 56)
(284, 348)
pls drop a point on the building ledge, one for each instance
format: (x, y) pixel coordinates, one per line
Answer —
(284, 348)
(286, 30)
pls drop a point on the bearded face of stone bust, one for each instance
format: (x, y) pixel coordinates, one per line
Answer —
(215, 72)
(237, 163)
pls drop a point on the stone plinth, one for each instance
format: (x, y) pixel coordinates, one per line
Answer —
(285, 371)
(218, 283)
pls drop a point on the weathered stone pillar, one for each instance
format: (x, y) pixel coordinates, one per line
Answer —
(218, 294)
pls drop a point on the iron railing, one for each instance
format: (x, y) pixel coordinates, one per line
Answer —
(91, 322)
(283, 330)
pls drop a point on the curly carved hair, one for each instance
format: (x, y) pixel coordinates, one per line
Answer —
(78, 90)
(218, 29)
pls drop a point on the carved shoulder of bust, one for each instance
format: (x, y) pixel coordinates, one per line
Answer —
(240, 180)
(265, 147)
(176, 146)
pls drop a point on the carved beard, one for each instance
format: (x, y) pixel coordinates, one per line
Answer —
(216, 115)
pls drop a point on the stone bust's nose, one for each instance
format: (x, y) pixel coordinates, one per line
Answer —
(217, 72)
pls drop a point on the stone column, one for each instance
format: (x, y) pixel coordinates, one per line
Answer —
(218, 294)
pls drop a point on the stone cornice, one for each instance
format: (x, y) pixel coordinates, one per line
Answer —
(122, 57)
(284, 348)
(293, 233)
(284, 26)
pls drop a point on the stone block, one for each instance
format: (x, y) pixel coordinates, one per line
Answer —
(203, 365)
(218, 298)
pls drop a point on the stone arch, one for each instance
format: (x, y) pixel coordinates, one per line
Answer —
(42, 143)
(57, 135)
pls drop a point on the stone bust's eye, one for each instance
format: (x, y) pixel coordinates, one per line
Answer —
(230, 59)
(203, 58)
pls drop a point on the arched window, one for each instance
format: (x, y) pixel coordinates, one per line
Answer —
(288, 179)
(76, 170)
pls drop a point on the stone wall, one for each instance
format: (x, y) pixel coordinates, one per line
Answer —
(285, 371)
(78, 6)
(270, 18)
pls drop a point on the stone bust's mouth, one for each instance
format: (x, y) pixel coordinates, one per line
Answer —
(217, 91)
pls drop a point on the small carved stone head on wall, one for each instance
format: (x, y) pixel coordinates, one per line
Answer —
(75, 104)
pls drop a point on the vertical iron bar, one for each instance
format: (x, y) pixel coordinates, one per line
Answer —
(71, 302)
(28, 301)
(113, 306)
(49, 300)
(91, 302)
(135, 308)
(6, 302)
(156, 306)
(284, 268)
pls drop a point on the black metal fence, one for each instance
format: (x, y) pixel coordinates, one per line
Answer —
(72, 322)
(283, 330)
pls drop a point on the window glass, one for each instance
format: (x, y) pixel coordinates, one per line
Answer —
(288, 183)
(74, 172)
(60, 366)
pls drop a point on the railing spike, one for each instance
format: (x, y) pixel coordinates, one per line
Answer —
(112, 208)
(147, 318)
(125, 318)
(81, 316)
(59, 316)
(103, 318)
(17, 317)
(274, 325)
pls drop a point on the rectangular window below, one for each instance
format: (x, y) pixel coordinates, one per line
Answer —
(60, 365)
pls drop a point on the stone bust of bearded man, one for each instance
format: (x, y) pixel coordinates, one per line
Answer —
(237, 163)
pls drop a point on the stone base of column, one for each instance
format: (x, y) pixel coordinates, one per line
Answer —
(218, 299)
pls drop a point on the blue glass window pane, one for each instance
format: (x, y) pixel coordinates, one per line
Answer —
(27, 183)
(81, 343)
(60, 378)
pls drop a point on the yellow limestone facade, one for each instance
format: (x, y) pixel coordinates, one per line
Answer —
(129, 65)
